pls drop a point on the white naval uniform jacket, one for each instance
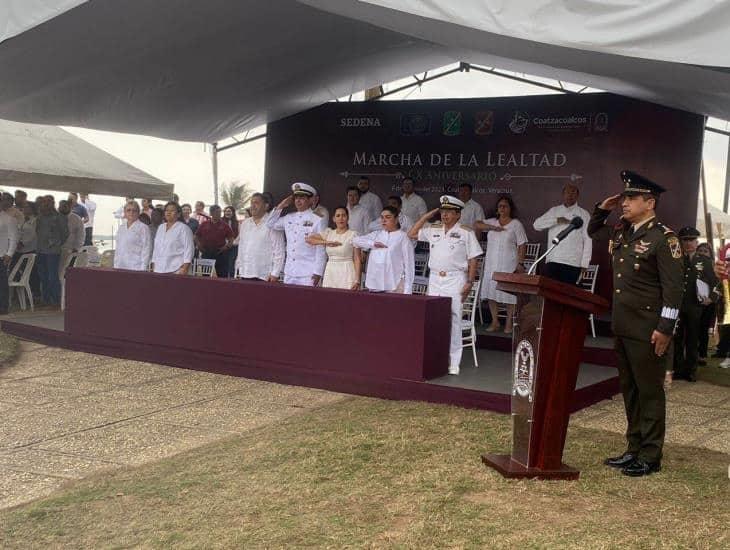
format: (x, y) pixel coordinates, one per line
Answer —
(450, 252)
(302, 259)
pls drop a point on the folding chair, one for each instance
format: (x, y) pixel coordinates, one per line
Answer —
(19, 279)
(203, 268)
(468, 314)
(420, 285)
(588, 282)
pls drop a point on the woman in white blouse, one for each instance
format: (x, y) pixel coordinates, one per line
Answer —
(505, 253)
(174, 246)
(390, 266)
(134, 241)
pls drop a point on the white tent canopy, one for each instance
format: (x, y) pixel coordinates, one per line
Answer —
(203, 71)
(47, 157)
(720, 220)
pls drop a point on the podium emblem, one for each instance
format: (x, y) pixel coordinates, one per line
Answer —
(524, 371)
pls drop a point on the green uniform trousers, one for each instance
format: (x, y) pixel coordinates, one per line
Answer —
(641, 374)
(687, 341)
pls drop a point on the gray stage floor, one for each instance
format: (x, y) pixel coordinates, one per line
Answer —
(495, 368)
(604, 342)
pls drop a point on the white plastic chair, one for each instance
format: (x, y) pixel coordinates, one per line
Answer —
(72, 260)
(588, 282)
(91, 253)
(19, 279)
(204, 268)
(468, 314)
(107, 259)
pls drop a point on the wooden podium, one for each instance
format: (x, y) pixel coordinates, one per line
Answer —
(549, 330)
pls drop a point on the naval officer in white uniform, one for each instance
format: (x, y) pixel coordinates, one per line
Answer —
(304, 263)
(453, 263)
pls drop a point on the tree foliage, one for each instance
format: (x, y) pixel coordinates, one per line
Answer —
(236, 194)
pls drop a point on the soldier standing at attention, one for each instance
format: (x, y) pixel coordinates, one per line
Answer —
(304, 263)
(687, 340)
(647, 279)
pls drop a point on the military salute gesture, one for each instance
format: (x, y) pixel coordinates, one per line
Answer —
(648, 285)
(452, 263)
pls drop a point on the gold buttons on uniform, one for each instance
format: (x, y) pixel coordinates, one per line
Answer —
(618, 291)
(619, 275)
(621, 260)
(648, 307)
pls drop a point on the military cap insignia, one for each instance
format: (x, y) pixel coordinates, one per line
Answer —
(444, 200)
(674, 247)
(297, 187)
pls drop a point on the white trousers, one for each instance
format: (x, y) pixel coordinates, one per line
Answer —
(450, 286)
(301, 281)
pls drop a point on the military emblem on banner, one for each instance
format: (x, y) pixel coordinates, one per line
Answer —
(519, 122)
(452, 123)
(415, 125)
(483, 123)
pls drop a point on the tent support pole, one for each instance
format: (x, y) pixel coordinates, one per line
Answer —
(214, 164)
(706, 206)
(726, 198)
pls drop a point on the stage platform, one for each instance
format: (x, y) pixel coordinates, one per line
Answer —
(486, 387)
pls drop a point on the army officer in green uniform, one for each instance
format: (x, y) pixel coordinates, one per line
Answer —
(686, 340)
(648, 281)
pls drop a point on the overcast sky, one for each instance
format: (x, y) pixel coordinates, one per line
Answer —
(188, 165)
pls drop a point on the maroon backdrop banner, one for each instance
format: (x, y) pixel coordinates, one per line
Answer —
(528, 147)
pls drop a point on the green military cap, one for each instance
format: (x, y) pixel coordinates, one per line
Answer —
(689, 233)
(636, 184)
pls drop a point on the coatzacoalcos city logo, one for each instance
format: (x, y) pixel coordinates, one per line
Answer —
(524, 370)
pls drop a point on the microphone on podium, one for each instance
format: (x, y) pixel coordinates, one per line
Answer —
(575, 223)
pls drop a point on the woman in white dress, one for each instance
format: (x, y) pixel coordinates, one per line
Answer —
(344, 262)
(506, 241)
(391, 265)
(134, 241)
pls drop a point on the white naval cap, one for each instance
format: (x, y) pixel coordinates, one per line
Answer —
(304, 189)
(450, 203)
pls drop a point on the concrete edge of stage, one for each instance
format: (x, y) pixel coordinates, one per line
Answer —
(392, 388)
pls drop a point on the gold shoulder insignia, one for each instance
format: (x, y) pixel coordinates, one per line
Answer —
(674, 247)
(667, 231)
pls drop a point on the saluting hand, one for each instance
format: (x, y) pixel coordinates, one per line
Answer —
(286, 202)
(660, 341)
(610, 203)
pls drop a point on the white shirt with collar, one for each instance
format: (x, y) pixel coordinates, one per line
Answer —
(471, 212)
(173, 247)
(372, 203)
(8, 234)
(134, 247)
(450, 250)
(358, 219)
(91, 210)
(388, 267)
(76, 234)
(302, 259)
(260, 250)
(413, 206)
(576, 249)
(27, 235)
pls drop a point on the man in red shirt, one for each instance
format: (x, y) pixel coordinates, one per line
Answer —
(214, 238)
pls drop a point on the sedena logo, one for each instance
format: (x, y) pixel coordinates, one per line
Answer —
(361, 122)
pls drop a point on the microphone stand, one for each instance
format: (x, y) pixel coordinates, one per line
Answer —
(548, 251)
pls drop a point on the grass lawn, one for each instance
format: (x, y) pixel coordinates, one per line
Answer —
(370, 473)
